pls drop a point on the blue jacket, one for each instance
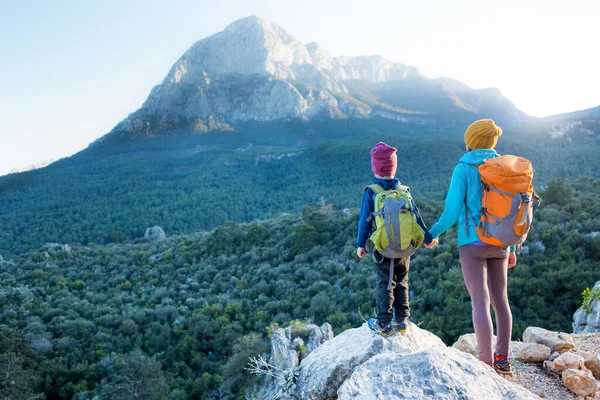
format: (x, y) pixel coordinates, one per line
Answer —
(368, 206)
(465, 188)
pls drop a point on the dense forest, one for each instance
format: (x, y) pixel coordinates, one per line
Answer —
(177, 318)
(195, 182)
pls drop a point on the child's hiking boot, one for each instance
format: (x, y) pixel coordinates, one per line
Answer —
(400, 326)
(502, 365)
(383, 330)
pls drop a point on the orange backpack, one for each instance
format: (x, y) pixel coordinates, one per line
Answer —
(506, 201)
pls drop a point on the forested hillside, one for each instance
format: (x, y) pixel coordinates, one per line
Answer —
(177, 318)
(194, 182)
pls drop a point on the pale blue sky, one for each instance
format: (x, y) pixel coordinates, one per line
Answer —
(71, 70)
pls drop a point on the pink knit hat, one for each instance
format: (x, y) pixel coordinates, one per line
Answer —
(384, 160)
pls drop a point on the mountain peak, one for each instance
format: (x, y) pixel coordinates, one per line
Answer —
(255, 70)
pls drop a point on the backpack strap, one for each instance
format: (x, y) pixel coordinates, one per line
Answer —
(376, 188)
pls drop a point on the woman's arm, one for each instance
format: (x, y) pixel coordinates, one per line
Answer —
(455, 199)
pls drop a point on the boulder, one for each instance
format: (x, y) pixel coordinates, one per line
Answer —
(154, 233)
(557, 341)
(327, 367)
(533, 353)
(582, 383)
(468, 343)
(57, 248)
(592, 363)
(584, 322)
(438, 373)
(568, 361)
(154, 258)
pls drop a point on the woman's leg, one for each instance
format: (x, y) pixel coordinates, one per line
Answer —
(497, 269)
(474, 271)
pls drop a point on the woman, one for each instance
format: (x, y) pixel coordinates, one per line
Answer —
(484, 267)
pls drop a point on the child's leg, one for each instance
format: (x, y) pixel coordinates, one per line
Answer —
(497, 269)
(385, 297)
(474, 269)
(400, 289)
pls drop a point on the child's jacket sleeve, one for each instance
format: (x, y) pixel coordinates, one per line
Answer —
(364, 227)
(421, 223)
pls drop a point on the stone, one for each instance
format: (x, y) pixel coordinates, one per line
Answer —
(592, 362)
(154, 233)
(438, 373)
(582, 383)
(468, 343)
(324, 370)
(553, 356)
(568, 361)
(584, 322)
(560, 342)
(533, 353)
(550, 366)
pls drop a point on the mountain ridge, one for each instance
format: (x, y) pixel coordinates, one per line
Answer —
(254, 70)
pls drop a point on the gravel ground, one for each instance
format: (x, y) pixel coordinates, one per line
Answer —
(545, 384)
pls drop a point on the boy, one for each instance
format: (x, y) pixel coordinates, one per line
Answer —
(392, 288)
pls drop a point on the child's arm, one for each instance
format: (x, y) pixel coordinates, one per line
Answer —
(428, 238)
(364, 227)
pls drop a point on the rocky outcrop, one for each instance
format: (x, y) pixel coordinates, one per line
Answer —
(154, 233)
(359, 364)
(439, 373)
(289, 346)
(57, 248)
(587, 319)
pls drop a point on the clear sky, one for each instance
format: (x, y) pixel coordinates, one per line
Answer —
(71, 70)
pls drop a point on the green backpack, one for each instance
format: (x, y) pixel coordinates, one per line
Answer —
(396, 231)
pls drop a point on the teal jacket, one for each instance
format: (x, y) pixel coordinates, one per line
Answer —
(465, 188)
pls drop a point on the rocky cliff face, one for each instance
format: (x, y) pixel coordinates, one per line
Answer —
(254, 70)
(587, 318)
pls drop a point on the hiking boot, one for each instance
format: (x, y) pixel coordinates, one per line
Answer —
(502, 365)
(399, 326)
(383, 330)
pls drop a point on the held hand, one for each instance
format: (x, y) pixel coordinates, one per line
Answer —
(512, 259)
(433, 243)
(360, 252)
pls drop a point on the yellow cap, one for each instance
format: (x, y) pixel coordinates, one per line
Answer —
(482, 134)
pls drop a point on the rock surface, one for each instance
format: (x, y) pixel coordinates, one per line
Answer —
(534, 352)
(326, 368)
(439, 373)
(582, 383)
(557, 341)
(359, 364)
(154, 233)
(584, 322)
